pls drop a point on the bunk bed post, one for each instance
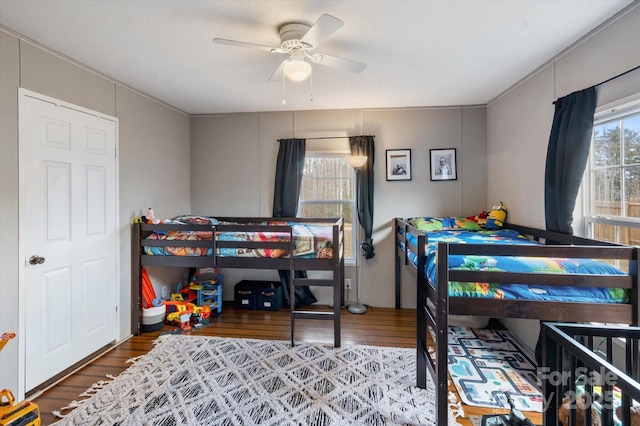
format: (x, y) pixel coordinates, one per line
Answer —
(292, 285)
(421, 320)
(442, 320)
(338, 281)
(550, 392)
(396, 224)
(635, 311)
(136, 278)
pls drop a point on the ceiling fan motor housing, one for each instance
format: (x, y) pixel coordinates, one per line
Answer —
(291, 35)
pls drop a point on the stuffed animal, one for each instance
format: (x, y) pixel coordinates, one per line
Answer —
(496, 217)
(580, 405)
(480, 218)
(635, 415)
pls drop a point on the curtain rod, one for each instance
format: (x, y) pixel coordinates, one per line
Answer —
(609, 79)
(617, 76)
(329, 137)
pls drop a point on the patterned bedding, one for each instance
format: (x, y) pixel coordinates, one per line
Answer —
(517, 264)
(310, 240)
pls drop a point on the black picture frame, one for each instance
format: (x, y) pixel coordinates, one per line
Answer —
(398, 164)
(443, 164)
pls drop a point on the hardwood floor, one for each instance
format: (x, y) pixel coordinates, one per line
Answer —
(379, 326)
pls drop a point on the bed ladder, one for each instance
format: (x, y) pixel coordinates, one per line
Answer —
(335, 282)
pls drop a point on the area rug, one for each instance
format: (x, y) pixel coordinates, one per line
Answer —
(194, 380)
(483, 364)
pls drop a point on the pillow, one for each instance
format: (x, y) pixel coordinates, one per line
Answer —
(444, 224)
(197, 220)
(467, 224)
(427, 223)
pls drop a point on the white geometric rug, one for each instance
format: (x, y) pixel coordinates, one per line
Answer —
(195, 380)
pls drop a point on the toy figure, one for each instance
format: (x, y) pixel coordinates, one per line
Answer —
(150, 216)
(496, 217)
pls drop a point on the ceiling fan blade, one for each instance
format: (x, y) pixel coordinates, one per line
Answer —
(324, 28)
(277, 74)
(249, 45)
(335, 62)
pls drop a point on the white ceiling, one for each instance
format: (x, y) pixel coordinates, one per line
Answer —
(419, 52)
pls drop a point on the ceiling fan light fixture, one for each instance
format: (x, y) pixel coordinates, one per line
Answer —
(297, 69)
(356, 161)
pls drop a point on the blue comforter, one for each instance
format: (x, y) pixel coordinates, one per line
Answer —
(518, 264)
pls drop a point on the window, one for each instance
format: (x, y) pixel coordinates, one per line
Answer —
(328, 190)
(613, 207)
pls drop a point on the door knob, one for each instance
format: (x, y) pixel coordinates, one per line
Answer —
(36, 260)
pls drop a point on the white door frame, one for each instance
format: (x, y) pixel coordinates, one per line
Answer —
(22, 256)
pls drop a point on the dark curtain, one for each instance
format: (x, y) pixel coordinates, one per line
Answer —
(567, 157)
(289, 169)
(364, 145)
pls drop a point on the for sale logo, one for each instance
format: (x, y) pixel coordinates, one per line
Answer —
(583, 377)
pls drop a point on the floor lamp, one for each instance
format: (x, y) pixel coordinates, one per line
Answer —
(357, 161)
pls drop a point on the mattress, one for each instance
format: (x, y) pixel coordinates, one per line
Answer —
(517, 264)
(310, 240)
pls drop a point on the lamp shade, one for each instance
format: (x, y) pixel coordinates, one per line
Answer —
(356, 161)
(297, 69)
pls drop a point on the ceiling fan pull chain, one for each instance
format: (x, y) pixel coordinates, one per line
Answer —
(284, 99)
(311, 85)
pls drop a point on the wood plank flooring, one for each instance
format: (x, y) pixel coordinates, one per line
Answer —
(379, 326)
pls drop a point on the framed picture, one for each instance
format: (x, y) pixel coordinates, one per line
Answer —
(398, 164)
(443, 164)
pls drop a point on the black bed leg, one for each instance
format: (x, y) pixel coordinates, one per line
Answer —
(549, 361)
(398, 280)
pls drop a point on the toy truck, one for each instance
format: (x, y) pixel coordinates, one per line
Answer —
(24, 413)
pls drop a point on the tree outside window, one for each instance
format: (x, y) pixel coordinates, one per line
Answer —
(328, 191)
(615, 178)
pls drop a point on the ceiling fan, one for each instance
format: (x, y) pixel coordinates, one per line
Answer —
(298, 41)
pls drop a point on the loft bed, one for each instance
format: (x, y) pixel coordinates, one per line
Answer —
(429, 254)
(599, 365)
(317, 244)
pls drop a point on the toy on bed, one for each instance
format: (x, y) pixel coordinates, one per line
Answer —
(497, 217)
(480, 218)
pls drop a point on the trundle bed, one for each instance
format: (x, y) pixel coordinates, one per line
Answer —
(457, 273)
(257, 243)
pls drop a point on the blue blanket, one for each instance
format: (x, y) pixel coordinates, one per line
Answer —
(518, 264)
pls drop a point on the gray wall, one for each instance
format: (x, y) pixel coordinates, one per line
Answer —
(519, 123)
(154, 164)
(234, 156)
